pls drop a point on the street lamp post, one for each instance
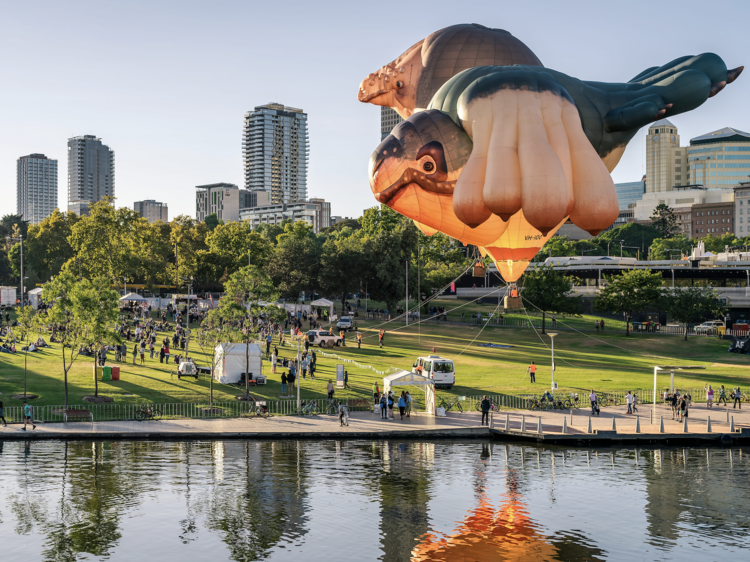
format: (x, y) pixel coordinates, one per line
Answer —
(406, 307)
(552, 339)
(621, 243)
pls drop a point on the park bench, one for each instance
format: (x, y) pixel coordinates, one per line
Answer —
(78, 414)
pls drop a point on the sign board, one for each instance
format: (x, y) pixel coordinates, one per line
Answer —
(554, 386)
(339, 376)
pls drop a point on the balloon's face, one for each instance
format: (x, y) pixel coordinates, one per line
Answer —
(414, 171)
(395, 84)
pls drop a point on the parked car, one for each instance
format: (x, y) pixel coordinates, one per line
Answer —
(710, 327)
(439, 369)
(345, 323)
(323, 338)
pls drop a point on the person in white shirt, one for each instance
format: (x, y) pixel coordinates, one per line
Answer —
(592, 398)
(629, 400)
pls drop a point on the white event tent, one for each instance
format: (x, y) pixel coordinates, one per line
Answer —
(407, 378)
(323, 303)
(133, 297)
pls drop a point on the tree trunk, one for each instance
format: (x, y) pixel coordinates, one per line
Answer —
(65, 375)
(627, 325)
(544, 316)
(686, 331)
(247, 368)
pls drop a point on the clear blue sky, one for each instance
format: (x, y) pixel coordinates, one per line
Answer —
(166, 83)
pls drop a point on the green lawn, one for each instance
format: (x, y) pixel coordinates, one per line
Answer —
(615, 362)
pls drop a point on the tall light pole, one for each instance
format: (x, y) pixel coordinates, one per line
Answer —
(406, 308)
(20, 239)
(552, 339)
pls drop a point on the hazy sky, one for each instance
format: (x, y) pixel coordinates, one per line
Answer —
(166, 83)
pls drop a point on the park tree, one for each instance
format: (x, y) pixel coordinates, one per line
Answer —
(249, 293)
(48, 247)
(13, 226)
(154, 252)
(717, 244)
(343, 264)
(212, 221)
(664, 220)
(550, 292)
(80, 309)
(636, 290)
(557, 247)
(188, 240)
(295, 263)
(233, 245)
(692, 305)
(440, 260)
(668, 248)
(210, 334)
(633, 236)
(28, 325)
(271, 232)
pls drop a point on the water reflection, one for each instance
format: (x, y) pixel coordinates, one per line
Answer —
(386, 500)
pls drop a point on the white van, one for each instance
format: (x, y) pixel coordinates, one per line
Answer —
(439, 369)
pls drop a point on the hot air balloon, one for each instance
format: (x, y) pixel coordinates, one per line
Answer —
(502, 155)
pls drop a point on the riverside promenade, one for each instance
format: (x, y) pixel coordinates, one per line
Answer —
(557, 427)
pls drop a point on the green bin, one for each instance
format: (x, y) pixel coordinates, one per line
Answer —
(106, 373)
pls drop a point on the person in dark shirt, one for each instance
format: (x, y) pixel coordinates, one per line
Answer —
(485, 410)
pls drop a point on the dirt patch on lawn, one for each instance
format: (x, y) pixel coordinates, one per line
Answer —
(25, 396)
(98, 399)
(726, 365)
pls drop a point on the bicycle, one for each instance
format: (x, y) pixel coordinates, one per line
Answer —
(449, 404)
(333, 408)
(148, 413)
(311, 408)
(608, 401)
(258, 409)
(493, 406)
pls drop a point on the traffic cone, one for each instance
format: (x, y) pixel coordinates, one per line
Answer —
(523, 423)
(588, 429)
(661, 424)
(637, 424)
(539, 427)
(565, 425)
(708, 424)
(614, 426)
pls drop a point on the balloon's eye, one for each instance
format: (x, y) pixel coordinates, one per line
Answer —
(428, 166)
(399, 84)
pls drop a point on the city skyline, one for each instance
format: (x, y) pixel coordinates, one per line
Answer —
(156, 104)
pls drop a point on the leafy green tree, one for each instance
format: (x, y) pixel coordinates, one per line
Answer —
(212, 221)
(271, 232)
(664, 221)
(717, 244)
(634, 291)
(28, 324)
(211, 333)
(154, 252)
(557, 247)
(12, 225)
(664, 248)
(188, 240)
(343, 264)
(632, 234)
(550, 292)
(98, 306)
(295, 263)
(249, 293)
(232, 246)
(48, 247)
(380, 219)
(440, 259)
(80, 309)
(692, 305)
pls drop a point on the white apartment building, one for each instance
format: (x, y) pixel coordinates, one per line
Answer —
(91, 172)
(276, 151)
(742, 210)
(315, 212)
(36, 187)
(220, 198)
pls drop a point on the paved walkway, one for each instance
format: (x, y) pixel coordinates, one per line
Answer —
(367, 424)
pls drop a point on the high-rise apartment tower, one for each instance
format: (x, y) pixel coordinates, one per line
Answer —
(91, 172)
(36, 187)
(276, 150)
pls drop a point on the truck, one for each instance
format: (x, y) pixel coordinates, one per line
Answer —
(439, 369)
(7, 297)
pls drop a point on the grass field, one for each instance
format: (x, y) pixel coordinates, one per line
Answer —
(602, 361)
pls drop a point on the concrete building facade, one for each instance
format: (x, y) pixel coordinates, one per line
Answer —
(314, 212)
(666, 160)
(276, 152)
(220, 198)
(91, 172)
(742, 209)
(679, 199)
(152, 211)
(388, 119)
(36, 187)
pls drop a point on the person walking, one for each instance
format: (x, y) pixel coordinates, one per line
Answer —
(709, 397)
(274, 360)
(303, 367)
(485, 406)
(342, 333)
(629, 400)
(329, 389)
(151, 348)
(402, 405)
(601, 325)
(723, 395)
(674, 402)
(166, 351)
(596, 325)
(2, 414)
(346, 379)
(592, 399)
(408, 404)
(28, 416)
(359, 341)
(381, 338)
(161, 354)
(737, 398)
(283, 383)
(143, 352)
(135, 352)
(390, 404)
(532, 372)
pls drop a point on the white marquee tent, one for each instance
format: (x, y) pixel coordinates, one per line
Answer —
(133, 297)
(407, 378)
(230, 361)
(323, 303)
